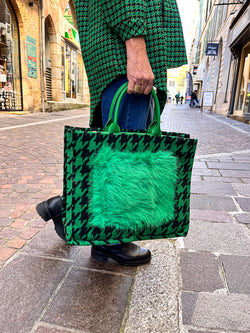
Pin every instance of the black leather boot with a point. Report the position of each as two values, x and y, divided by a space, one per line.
128 254
52 209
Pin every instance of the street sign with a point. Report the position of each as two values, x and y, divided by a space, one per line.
212 49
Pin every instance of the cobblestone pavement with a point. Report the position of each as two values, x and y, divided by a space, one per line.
199 284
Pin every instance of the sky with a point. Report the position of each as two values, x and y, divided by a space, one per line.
187 11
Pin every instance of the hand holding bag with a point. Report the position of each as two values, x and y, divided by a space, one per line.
124 185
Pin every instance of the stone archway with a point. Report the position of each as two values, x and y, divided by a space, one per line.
50 49
52 64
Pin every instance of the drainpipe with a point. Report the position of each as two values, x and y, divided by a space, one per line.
42 51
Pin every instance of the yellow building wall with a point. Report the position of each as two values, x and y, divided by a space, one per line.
29 21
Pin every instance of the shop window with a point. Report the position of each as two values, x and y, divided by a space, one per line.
63 65
70 71
243 97
10 73
79 73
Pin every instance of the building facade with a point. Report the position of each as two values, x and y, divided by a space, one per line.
220 56
41 67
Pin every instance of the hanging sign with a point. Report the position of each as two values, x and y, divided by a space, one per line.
31 55
212 49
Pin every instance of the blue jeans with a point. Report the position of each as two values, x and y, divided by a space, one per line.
135 112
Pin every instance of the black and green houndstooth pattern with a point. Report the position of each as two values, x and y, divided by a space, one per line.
103 27
81 146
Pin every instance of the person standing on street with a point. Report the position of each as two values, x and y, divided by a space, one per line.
194 100
132 41
177 98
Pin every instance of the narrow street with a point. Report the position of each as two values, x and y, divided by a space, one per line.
199 284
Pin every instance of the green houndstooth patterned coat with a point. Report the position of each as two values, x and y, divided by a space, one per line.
104 25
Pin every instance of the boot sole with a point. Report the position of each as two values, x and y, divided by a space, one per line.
103 257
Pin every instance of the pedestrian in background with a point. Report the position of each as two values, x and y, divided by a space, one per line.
134 41
177 98
194 100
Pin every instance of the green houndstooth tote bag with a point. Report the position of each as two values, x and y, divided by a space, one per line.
126 185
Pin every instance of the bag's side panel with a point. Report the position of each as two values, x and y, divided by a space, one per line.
67 185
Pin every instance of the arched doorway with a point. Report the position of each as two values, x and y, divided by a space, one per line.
49 32
10 64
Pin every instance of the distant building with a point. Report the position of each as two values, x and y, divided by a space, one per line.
177 81
220 56
41 66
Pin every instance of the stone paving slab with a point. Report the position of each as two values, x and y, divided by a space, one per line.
229 166
243 218
235 173
217 311
154 301
210 216
206 172
224 238
26 286
200 272
242 158
225 180
48 244
219 189
244 204
237 270
245 180
206 202
90 301
243 189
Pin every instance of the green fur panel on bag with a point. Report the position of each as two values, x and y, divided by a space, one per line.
132 190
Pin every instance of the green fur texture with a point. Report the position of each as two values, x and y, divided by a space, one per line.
132 190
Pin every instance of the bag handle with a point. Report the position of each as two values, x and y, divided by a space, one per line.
112 124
